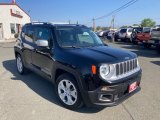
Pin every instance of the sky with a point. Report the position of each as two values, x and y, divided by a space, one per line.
84 11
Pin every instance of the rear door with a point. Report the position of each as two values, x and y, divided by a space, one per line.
28 36
42 56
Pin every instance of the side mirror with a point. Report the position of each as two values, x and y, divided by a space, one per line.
42 43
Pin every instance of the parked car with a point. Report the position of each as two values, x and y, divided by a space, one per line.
102 33
143 34
155 37
116 35
125 34
75 60
158 48
110 35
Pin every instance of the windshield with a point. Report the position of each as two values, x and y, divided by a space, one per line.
76 36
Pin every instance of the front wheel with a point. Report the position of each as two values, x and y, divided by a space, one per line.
68 92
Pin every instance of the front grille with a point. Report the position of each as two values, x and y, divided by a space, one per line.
125 67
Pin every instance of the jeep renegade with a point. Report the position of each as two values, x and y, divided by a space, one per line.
75 60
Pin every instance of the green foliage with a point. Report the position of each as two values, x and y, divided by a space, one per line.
124 26
147 22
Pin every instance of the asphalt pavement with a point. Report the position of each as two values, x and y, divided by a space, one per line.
30 97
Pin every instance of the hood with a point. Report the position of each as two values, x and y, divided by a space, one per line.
97 55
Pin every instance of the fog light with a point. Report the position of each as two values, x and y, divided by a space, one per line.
104 88
105 98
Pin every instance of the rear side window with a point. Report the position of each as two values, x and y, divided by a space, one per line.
29 34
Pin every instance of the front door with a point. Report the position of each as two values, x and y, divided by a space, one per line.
1 31
42 56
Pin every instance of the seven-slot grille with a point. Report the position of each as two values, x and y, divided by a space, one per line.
125 67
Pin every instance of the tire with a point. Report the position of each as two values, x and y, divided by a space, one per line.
146 45
20 66
116 39
158 49
135 42
69 96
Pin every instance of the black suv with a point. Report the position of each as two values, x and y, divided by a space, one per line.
82 68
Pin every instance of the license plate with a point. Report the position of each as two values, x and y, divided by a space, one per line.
132 87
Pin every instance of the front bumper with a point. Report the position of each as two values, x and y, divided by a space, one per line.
114 94
152 41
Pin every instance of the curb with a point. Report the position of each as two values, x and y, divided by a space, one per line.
7 41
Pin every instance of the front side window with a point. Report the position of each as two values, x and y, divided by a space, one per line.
43 33
12 26
76 36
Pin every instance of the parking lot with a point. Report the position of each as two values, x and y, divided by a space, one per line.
30 97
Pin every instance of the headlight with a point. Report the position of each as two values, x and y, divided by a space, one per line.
104 70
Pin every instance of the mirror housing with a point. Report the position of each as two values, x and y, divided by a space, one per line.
42 43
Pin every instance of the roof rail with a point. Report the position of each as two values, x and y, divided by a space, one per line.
38 23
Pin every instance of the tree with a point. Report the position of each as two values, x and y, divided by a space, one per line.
147 22
98 28
124 26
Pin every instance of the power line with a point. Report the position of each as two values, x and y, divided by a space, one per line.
118 9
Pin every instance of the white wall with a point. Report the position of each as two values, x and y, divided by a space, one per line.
6 19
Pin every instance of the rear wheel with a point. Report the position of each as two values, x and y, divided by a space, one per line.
68 92
20 66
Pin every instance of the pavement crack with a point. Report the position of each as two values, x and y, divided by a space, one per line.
127 111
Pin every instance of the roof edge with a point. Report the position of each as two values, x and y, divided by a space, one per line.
17 6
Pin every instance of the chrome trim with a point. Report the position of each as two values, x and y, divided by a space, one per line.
112 76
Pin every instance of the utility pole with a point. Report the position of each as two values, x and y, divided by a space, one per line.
112 27
113 21
94 25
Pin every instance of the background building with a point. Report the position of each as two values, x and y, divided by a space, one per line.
12 18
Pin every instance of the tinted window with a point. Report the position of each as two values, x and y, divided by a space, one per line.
146 30
123 30
69 36
29 35
43 33
158 29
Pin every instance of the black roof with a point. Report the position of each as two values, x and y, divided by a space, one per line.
51 24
